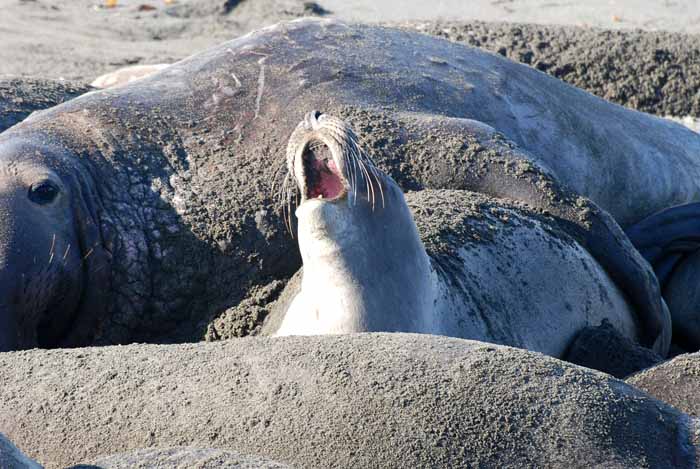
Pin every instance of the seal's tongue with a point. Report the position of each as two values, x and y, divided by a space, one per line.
321 173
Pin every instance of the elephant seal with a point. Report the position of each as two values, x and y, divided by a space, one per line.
367 270
674 382
158 192
20 96
669 240
343 401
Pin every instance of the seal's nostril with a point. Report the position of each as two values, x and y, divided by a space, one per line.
311 119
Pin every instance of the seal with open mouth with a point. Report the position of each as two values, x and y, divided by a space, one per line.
366 268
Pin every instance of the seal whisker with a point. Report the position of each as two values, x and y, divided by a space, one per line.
354 175
370 184
368 181
288 185
349 162
276 175
53 246
288 189
353 158
65 254
358 155
368 161
353 163
375 173
356 159
283 197
291 191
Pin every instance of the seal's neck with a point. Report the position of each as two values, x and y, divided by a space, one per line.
365 270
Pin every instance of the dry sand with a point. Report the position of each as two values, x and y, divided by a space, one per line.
81 40
653 72
666 15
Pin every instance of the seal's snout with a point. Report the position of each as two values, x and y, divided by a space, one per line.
327 162
312 120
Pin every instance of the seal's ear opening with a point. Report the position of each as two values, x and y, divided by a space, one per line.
95 264
322 177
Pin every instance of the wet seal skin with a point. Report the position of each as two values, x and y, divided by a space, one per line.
160 192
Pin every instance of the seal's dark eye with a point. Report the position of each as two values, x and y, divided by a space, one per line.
43 193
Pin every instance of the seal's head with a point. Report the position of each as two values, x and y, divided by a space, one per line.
340 186
365 267
46 235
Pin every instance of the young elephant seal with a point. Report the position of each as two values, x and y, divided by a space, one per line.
361 250
366 268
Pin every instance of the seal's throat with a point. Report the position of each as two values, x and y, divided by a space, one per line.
322 178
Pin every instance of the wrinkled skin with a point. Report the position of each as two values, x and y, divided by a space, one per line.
176 171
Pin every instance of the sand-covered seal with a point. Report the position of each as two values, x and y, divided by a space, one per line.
345 401
181 457
12 458
676 382
20 96
149 207
524 283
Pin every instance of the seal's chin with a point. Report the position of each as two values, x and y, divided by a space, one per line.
322 177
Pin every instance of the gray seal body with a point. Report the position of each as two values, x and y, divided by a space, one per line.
166 181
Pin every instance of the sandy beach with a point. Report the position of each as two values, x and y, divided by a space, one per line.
83 38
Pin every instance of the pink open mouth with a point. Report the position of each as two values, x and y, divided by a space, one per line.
322 177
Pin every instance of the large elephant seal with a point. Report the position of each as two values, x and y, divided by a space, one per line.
161 188
367 270
343 401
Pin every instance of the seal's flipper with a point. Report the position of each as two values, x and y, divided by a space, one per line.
670 241
605 349
667 237
682 295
